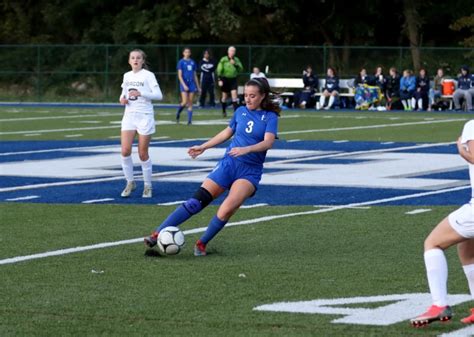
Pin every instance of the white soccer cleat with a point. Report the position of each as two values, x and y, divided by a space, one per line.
147 192
128 189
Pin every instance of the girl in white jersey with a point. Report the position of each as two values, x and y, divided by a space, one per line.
139 87
457 228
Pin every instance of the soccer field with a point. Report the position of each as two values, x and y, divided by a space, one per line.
331 244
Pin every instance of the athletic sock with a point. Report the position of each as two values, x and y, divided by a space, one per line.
176 218
322 100
235 105
127 168
469 271
224 105
146 169
190 116
178 113
213 228
405 106
420 104
437 273
331 101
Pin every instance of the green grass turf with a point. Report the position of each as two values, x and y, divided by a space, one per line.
377 251
345 253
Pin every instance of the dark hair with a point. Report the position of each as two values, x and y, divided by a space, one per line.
333 70
270 101
145 64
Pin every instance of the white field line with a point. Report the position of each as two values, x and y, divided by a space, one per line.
464 332
178 172
418 211
330 206
171 203
30 197
61 130
341 141
379 126
93 201
59 117
31 134
254 205
72 136
232 224
98 180
97 146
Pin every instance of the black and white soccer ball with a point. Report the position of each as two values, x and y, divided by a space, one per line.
170 241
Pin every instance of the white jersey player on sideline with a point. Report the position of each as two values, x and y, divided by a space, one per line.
139 88
457 228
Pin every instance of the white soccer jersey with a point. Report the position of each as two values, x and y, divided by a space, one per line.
468 135
145 82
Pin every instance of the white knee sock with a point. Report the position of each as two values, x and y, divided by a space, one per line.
322 99
331 101
437 273
404 102
146 169
420 103
127 167
469 271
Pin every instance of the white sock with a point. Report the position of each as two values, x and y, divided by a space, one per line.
469 271
146 169
437 273
413 102
420 104
127 168
404 102
322 100
331 101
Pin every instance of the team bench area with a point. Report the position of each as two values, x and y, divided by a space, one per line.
288 86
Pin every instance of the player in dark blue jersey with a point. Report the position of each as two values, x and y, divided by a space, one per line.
254 130
188 83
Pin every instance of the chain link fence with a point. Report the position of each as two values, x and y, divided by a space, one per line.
93 73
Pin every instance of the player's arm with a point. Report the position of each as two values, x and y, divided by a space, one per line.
196 80
180 78
466 150
220 138
264 145
123 96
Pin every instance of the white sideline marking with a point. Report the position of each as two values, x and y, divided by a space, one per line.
464 332
32 134
60 130
293 140
72 136
30 197
254 205
93 201
171 203
59 117
341 141
373 126
231 224
329 206
170 173
85 122
387 143
418 211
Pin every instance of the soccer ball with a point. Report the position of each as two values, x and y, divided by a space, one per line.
170 241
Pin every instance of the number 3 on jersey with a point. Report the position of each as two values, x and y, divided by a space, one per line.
249 127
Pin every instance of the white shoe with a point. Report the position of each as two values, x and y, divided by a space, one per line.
147 192
128 189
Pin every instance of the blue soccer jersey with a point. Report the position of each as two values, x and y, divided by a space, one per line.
249 128
187 67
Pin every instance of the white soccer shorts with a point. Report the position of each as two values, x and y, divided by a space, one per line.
462 221
144 124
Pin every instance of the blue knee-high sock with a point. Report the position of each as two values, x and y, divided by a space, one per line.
178 112
190 116
176 218
213 228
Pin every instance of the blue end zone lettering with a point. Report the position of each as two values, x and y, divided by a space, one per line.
312 172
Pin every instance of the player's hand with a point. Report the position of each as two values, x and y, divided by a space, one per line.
134 94
220 83
185 87
195 151
123 101
239 151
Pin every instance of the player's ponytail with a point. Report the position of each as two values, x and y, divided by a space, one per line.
271 102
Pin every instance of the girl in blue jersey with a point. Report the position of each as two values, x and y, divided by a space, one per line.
188 84
254 130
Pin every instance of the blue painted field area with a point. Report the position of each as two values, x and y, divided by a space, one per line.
297 173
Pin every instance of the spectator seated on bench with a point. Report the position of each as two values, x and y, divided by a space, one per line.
305 98
421 91
465 89
330 91
367 94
